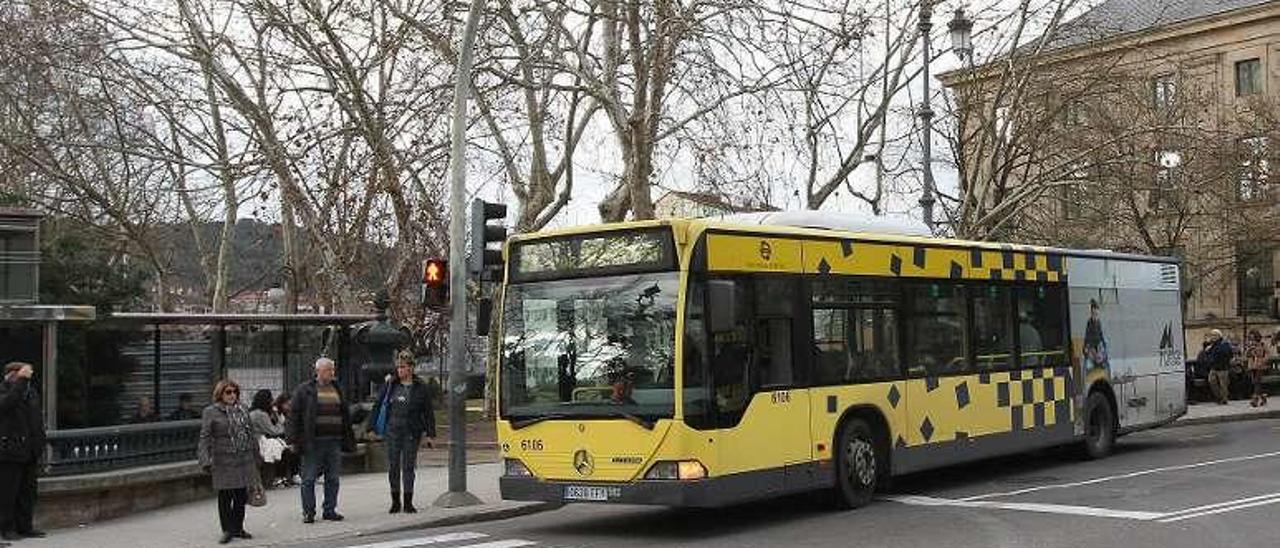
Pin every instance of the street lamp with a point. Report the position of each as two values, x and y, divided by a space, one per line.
961 35
926 118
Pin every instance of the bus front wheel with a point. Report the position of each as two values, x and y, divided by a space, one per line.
1100 426
859 464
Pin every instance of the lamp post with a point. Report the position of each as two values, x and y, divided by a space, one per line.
926 118
457 495
961 35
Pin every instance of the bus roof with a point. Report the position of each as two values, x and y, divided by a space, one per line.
826 227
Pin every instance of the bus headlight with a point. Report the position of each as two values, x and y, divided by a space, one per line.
516 468
677 470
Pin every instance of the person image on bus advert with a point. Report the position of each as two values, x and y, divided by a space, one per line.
1095 343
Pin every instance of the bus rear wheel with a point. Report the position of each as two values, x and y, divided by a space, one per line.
859 465
1100 426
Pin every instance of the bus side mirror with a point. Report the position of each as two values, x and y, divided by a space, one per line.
722 305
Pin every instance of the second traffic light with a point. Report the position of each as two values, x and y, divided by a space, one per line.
435 283
486 262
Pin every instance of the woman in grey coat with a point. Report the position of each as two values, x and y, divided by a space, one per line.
228 450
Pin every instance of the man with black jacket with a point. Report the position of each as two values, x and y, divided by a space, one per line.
320 430
21 449
1217 352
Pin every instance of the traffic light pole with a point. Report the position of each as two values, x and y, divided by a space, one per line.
457 494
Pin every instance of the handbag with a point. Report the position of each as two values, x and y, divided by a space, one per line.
270 449
380 421
257 493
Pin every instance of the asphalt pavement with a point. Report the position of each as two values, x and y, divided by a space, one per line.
1186 487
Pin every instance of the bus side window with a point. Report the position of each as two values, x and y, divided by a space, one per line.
992 327
774 311
732 355
935 329
697 398
1040 311
854 344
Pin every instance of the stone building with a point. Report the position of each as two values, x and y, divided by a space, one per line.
1146 126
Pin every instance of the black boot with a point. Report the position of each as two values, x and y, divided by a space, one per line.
395 503
408 503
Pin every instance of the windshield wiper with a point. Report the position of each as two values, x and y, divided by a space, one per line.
522 422
518 423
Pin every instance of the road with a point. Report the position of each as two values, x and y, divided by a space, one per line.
1211 485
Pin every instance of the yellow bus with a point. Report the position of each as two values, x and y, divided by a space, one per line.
710 362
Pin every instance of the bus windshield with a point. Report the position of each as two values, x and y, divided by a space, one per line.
590 347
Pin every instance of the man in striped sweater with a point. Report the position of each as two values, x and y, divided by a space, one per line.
320 430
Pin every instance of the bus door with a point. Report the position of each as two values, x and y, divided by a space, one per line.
756 370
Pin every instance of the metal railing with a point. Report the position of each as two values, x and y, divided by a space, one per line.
103 449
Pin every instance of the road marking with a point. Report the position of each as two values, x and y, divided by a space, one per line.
1122 476
425 541
514 543
1030 507
1221 508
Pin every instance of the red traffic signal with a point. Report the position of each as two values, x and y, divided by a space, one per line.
435 283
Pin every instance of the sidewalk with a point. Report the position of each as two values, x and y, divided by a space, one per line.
364 501
1237 410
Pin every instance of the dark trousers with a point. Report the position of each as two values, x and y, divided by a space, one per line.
321 457
17 496
402 460
231 509
286 467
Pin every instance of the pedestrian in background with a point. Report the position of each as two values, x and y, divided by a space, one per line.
21 449
1217 353
1256 354
320 430
146 411
268 431
402 415
289 467
185 411
227 450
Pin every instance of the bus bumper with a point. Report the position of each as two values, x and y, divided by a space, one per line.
708 493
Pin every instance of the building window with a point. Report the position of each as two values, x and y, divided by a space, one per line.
1073 113
1073 201
1255 168
1004 124
1168 170
1248 77
18 258
1165 91
1255 278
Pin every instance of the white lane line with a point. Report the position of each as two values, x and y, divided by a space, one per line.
1122 476
1221 504
426 541
514 543
1030 507
1222 509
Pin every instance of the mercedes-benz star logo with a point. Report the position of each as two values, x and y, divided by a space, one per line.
582 463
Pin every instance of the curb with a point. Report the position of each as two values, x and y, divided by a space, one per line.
1272 414
485 515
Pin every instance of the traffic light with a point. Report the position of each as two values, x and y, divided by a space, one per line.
435 283
486 262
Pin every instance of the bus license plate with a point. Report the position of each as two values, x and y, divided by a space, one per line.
586 492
